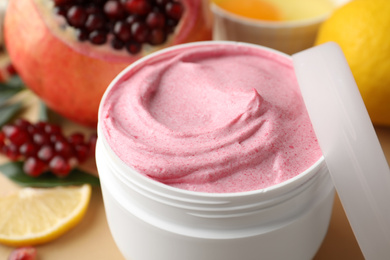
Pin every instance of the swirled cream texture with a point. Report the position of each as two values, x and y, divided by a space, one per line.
211 118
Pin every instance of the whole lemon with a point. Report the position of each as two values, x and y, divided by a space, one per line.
362 29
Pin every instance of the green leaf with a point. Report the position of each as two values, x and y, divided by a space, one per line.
14 171
13 82
6 93
7 112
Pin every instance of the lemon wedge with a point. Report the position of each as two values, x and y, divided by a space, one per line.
32 216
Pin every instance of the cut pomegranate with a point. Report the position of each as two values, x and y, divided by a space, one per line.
75 48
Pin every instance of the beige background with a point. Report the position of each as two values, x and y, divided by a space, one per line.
91 239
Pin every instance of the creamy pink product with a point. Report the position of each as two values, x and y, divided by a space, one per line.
212 118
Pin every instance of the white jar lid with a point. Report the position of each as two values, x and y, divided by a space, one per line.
348 141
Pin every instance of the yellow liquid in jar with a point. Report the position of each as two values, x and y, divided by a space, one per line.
277 10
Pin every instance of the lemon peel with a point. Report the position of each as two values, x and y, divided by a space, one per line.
32 216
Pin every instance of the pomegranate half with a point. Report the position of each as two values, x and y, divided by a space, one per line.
69 73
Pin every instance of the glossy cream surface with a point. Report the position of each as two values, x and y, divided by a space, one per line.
212 118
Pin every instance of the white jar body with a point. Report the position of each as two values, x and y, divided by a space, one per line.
149 220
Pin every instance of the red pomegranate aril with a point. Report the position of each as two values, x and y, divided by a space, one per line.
140 32
28 149
122 30
15 134
12 152
174 10
57 137
133 18
59 166
157 36
46 153
76 16
23 253
2 139
114 10
98 37
82 152
170 26
95 22
82 35
22 123
133 47
34 167
117 44
41 126
92 144
52 129
155 20
76 138
140 7
63 148
162 2
93 9
41 139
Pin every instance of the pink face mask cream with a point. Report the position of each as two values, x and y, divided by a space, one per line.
206 151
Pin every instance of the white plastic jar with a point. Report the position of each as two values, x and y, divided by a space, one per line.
153 221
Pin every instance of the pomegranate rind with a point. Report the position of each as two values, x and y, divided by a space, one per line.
71 79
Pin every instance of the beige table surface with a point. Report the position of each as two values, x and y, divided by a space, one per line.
91 239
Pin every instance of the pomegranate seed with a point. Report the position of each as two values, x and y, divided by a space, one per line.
12 152
76 138
133 47
28 149
76 16
63 148
140 7
82 35
82 152
57 137
34 167
140 31
23 253
52 129
93 9
98 37
157 36
95 22
92 144
59 166
133 18
41 139
15 134
122 31
117 44
40 126
22 123
162 2
113 9
155 20
2 139
46 153
174 10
